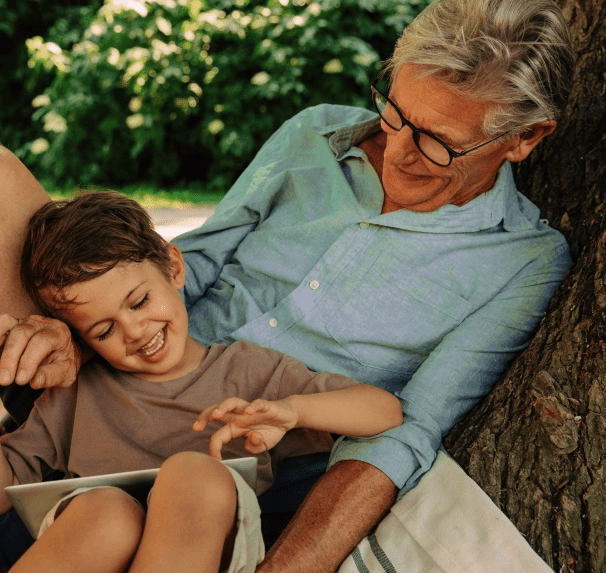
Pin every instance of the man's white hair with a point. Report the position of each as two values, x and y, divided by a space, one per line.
514 53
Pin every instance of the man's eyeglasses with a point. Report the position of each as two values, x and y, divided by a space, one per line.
428 144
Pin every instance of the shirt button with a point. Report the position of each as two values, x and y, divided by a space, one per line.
313 285
364 225
273 322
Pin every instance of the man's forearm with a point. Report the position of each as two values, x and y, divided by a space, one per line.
340 510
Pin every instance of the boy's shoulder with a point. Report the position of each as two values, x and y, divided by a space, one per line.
245 352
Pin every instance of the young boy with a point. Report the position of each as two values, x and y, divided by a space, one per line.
153 396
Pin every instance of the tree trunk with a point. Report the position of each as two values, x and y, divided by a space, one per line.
537 443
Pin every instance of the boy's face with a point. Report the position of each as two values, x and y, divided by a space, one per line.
134 317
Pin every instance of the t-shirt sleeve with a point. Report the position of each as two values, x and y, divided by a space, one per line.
296 378
42 443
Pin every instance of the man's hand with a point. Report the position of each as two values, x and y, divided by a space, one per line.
263 422
38 351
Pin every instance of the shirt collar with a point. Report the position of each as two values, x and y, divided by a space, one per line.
502 204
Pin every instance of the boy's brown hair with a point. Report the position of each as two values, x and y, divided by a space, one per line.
68 242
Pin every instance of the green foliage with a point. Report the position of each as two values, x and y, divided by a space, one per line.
20 20
187 90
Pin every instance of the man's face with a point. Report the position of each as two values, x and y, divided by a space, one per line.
413 182
133 317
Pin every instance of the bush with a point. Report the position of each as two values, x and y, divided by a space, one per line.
187 90
21 20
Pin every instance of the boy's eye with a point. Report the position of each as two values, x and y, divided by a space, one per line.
140 303
105 334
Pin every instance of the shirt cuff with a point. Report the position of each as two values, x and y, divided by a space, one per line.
397 461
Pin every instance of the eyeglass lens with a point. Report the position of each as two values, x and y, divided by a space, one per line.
427 145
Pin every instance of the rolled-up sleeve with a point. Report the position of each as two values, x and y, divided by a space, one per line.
462 369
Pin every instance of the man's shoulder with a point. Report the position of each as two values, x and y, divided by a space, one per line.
324 118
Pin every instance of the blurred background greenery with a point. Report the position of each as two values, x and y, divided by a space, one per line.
177 95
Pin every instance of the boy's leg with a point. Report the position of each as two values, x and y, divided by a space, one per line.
98 532
191 517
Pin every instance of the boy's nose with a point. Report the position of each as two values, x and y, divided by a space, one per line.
134 329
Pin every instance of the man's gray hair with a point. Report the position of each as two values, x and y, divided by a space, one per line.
514 53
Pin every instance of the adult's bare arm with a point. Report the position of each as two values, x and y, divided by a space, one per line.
20 196
343 507
38 351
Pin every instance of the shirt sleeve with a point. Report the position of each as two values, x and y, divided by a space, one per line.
250 201
462 369
42 443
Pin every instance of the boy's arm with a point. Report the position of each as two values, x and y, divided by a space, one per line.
7 477
359 410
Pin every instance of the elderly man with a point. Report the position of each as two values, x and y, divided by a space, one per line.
393 248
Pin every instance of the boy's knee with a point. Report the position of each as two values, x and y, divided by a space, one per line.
193 476
115 515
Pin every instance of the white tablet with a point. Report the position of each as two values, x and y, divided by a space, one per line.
34 500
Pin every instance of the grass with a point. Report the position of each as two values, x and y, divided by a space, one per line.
147 195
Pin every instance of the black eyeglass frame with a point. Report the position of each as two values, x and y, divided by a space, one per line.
416 131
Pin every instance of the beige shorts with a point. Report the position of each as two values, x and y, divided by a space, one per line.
249 549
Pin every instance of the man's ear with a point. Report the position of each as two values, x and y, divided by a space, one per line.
529 139
177 262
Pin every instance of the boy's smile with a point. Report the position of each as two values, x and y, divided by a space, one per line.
133 316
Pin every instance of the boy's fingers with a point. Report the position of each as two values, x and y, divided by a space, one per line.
254 443
233 404
257 406
221 437
204 417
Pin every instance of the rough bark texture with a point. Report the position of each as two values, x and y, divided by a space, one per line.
537 444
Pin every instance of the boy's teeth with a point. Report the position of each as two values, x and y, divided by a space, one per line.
154 344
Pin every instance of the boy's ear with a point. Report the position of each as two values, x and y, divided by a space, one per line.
177 265
528 140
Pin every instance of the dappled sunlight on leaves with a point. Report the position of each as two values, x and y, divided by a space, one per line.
176 90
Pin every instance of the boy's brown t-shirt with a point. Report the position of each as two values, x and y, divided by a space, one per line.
110 421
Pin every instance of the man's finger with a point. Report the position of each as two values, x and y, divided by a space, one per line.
49 375
7 323
16 342
33 357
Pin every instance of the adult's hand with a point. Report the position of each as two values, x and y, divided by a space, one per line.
38 351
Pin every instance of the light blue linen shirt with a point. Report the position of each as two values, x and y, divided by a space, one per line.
431 306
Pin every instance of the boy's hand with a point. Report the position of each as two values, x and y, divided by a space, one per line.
38 351
263 422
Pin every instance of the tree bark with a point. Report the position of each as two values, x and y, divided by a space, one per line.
537 443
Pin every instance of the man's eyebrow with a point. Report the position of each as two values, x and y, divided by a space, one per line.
435 132
125 298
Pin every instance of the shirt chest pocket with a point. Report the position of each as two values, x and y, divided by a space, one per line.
394 317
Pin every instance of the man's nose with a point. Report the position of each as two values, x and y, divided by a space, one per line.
401 147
